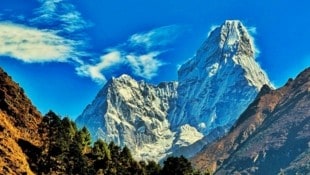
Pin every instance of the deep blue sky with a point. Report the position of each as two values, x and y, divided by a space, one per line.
62 52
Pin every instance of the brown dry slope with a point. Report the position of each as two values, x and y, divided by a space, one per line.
271 136
19 121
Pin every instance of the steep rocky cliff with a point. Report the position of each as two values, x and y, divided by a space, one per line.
217 85
132 113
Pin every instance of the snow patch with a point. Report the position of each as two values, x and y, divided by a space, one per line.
202 125
213 69
188 135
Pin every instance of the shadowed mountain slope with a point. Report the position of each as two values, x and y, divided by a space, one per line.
271 136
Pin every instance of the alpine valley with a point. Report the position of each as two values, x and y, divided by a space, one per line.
222 113
173 118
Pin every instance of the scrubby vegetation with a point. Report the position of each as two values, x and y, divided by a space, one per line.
68 150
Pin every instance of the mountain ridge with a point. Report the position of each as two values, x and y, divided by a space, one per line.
135 115
18 127
273 130
222 73
225 60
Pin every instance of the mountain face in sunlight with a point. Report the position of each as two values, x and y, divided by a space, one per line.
18 127
217 85
213 89
133 113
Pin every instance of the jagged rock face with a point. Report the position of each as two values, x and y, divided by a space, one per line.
217 85
19 122
154 121
271 136
132 113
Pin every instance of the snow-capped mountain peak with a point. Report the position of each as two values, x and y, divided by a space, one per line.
213 89
232 32
134 114
218 83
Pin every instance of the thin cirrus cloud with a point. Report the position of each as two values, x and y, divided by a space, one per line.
56 35
94 71
155 38
140 53
145 65
46 40
33 45
59 15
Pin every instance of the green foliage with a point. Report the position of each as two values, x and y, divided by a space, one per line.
68 150
101 150
69 128
126 156
177 166
83 139
63 146
77 163
101 156
115 151
153 168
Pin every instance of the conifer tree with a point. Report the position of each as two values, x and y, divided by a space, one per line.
177 166
102 156
153 168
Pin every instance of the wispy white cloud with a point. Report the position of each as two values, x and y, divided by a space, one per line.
157 37
108 60
49 5
252 30
140 53
58 37
33 45
144 65
56 34
59 15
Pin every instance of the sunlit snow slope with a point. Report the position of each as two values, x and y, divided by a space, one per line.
213 90
218 84
132 113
